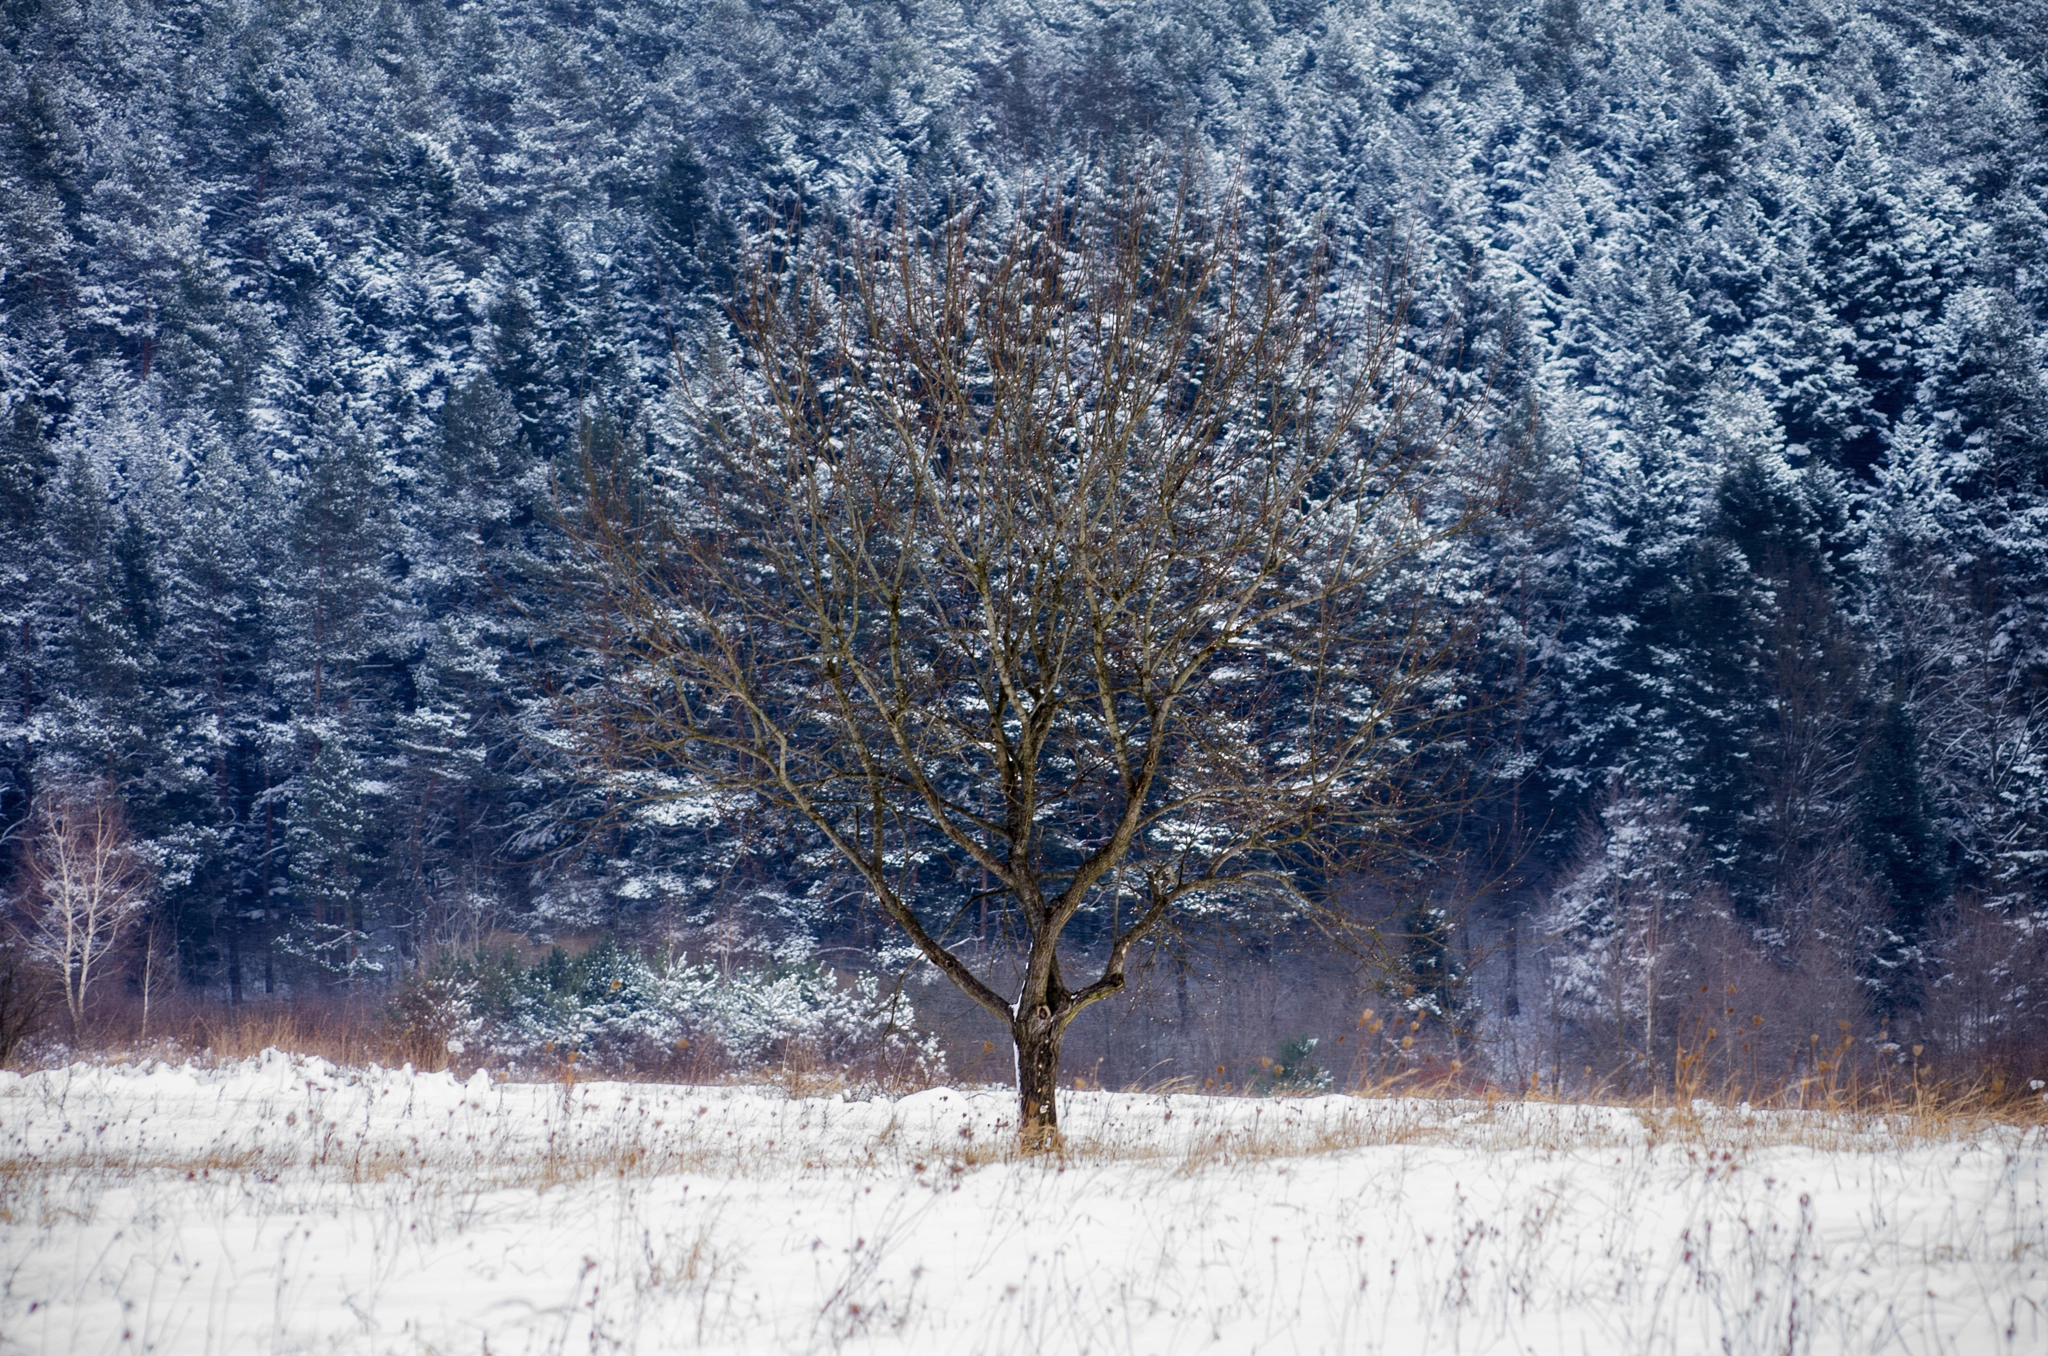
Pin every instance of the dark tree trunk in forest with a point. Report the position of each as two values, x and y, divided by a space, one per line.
1512 1004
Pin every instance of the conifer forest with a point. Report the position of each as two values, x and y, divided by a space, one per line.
317 315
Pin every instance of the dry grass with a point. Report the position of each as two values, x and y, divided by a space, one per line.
361 1031
351 1032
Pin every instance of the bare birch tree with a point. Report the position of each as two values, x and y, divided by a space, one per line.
1097 552
84 880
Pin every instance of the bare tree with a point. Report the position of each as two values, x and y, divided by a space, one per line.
84 879
1088 549
24 995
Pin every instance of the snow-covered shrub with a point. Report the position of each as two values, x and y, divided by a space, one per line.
1625 930
1656 978
1296 1071
1428 979
615 1007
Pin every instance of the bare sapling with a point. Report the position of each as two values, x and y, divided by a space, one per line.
84 881
1088 560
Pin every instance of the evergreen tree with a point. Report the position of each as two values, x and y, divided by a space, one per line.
336 588
1430 979
1888 268
27 466
332 925
1905 853
217 655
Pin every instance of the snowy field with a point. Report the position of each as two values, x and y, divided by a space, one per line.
284 1205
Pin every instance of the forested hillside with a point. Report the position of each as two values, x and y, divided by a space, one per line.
309 308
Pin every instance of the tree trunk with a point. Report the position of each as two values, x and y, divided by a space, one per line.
1037 1034
1512 1007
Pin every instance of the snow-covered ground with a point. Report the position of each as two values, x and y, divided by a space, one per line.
286 1205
